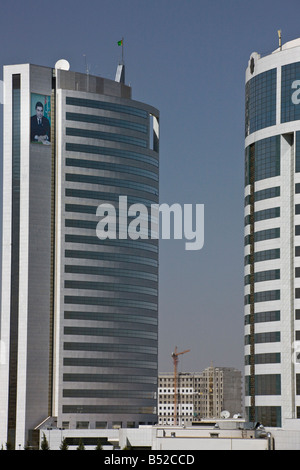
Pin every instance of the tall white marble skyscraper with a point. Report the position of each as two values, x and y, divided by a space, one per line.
272 242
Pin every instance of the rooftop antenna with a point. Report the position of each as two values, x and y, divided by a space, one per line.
87 71
121 43
279 37
120 74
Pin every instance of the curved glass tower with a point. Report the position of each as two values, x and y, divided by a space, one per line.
79 324
272 229
107 290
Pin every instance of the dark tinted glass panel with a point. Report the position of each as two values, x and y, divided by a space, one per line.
260 106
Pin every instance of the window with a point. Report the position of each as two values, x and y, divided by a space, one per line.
101 425
268 415
99 150
115 182
103 120
289 110
260 106
267 214
96 165
265 255
115 378
82 424
266 159
266 358
266 296
263 235
263 194
269 384
119 108
103 271
88 133
267 337
108 347
263 317
106 286
264 215
114 332
264 276
119 257
298 384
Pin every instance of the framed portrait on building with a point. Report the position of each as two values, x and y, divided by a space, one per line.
40 121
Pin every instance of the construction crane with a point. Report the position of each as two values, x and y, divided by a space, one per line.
175 355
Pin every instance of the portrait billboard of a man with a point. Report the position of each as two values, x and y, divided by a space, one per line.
40 131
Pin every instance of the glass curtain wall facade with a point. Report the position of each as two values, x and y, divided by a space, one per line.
79 320
272 177
108 289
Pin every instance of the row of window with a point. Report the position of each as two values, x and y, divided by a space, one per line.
265 358
267 337
262 159
115 167
91 393
109 302
94 441
264 255
262 235
110 317
109 409
264 215
107 121
264 296
260 97
114 332
268 193
260 106
115 257
113 198
114 272
115 182
110 287
263 194
289 110
115 107
111 378
112 152
263 317
112 137
267 384
269 234
109 347
264 276
269 316
109 363
94 240
118 227
268 415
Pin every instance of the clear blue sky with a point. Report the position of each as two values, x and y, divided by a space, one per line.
187 58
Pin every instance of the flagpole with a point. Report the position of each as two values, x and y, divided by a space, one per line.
123 51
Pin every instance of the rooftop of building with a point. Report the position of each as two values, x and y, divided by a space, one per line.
288 45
